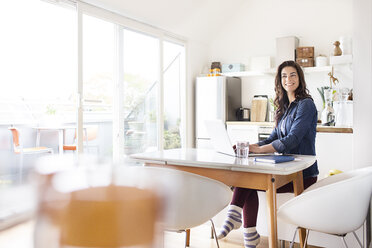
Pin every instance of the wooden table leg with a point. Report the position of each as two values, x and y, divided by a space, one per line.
298 187
271 209
187 237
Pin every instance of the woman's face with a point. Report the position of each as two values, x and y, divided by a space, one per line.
290 81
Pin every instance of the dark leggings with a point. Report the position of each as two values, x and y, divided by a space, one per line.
248 200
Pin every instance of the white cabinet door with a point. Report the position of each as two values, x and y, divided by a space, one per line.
242 133
334 151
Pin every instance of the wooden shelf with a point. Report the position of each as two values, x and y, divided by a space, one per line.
243 74
341 60
317 69
272 71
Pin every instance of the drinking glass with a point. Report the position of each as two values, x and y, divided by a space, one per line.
242 149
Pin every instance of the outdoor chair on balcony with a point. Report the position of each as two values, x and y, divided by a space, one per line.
21 151
89 134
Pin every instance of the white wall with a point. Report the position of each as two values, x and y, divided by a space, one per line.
256 25
362 27
363 83
197 55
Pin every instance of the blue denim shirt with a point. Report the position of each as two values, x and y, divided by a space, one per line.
296 131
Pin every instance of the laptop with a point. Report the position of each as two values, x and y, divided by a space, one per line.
219 137
221 141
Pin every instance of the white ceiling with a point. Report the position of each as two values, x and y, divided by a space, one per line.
194 19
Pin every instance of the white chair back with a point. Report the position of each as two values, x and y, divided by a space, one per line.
334 205
189 200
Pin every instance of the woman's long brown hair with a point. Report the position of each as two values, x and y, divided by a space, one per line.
281 99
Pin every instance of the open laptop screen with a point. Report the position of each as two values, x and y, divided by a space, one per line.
219 137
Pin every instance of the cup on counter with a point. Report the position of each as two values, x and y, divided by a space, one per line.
242 149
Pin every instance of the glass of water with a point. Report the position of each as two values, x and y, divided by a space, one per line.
242 149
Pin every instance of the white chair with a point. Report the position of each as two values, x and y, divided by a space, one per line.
336 205
21 151
189 199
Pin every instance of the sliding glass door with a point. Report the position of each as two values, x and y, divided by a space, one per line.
38 79
42 62
98 85
140 96
173 78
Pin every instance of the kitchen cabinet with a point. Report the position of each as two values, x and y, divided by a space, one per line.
243 133
334 151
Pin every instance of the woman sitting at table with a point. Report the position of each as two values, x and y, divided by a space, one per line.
295 129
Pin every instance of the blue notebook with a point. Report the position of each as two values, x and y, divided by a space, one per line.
274 159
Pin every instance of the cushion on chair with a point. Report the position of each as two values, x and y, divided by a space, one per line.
30 150
69 147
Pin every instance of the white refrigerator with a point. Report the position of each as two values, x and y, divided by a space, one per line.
215 98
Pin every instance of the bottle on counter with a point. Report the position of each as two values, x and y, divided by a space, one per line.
328 113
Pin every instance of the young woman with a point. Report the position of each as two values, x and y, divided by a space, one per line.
295 130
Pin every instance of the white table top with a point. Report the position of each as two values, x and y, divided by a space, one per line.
211 159
56 127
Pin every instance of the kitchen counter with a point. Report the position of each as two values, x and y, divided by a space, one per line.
319 128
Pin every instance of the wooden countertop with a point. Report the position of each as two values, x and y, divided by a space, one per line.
324 129
319 128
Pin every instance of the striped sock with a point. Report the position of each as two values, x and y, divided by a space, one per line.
233 221
251 237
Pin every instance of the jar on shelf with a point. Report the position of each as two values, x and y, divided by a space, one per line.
216 72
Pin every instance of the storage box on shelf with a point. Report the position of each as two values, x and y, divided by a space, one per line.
305 62
305 56
285 48
232 67
305 52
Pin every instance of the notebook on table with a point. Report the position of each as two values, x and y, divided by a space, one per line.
274 159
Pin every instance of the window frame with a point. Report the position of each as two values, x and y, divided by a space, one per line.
123 22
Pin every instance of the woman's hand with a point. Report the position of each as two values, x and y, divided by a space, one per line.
255 148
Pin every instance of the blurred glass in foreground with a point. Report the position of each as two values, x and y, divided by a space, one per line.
80 206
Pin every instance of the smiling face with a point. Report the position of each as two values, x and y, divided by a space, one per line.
290 80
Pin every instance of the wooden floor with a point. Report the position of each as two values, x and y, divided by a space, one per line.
200 238
21 236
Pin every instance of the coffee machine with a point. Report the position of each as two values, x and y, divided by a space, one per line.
243 114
